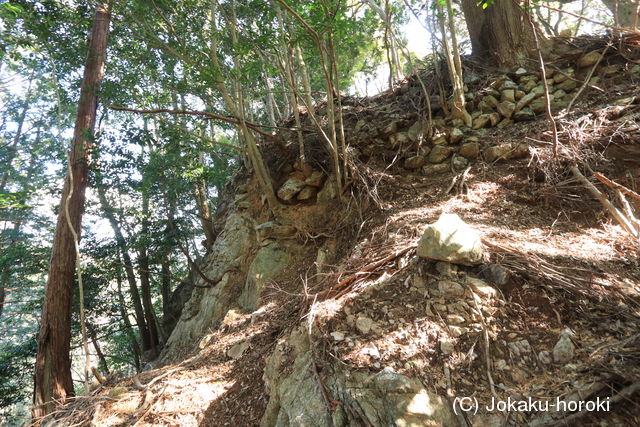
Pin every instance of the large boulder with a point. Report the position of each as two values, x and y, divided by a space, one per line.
451 239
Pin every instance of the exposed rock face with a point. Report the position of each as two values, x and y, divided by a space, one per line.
379 399
269 261
208 305
450 239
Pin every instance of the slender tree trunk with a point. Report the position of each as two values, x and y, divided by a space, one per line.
145 282
53 383
128 268
202 202
5 273
16 138
452 54
122 306
236 107
165 268
96 346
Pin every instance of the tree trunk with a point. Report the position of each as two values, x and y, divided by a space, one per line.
145 282
204 211
166 285
625 12
53 383
96 346
5 274
500 32
14 144
135 347
128 269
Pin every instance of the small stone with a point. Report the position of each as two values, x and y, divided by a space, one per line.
521 72
274 230
481 288
471 77
315 179
439 138
508 85
545 357
450 289
559 94
484 107
457 122
459 162
290 188
564 349
636 69
481 121
307 193
390 129
491 100
589 59
455 136
506 108
539 105
538 90
494 119
470 150
457 331
523 115
568 85
439 154
365 324
435 169
520 94
414 162
562 76
371 351
238 350
497 274
398 139
416 131
497 152
504 123
337 336
455 319
528 86
447 347
526 100
507 95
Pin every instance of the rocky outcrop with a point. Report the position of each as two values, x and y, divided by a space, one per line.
208 305
383 398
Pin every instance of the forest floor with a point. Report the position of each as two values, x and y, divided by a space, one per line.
569 266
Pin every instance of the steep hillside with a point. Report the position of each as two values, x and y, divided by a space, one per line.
330 311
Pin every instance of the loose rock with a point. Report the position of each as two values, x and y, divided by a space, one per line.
451 239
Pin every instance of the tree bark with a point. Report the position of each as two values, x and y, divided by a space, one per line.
53 383
500 32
